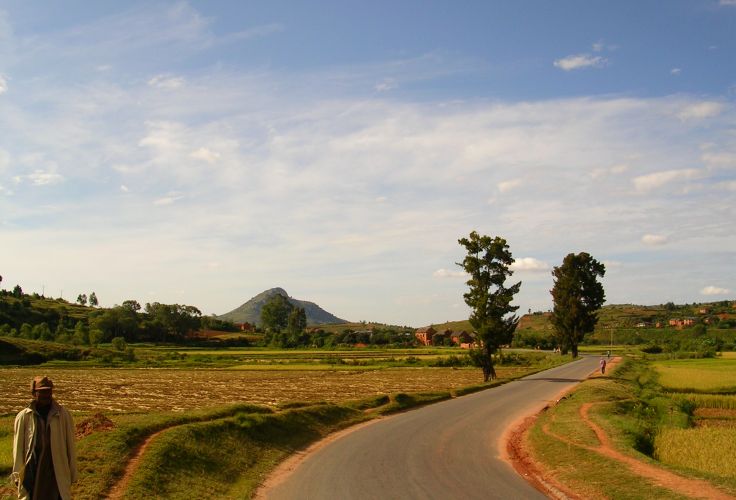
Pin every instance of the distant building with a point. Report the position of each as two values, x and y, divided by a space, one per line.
245 327
424 335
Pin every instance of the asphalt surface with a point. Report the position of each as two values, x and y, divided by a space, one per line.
448 450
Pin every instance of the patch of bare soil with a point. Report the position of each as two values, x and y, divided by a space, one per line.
95 423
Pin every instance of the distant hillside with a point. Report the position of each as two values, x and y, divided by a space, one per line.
624 316
250 312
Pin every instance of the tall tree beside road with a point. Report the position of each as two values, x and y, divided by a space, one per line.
577 295
487 262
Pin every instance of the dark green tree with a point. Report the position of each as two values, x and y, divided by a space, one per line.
577 295
132 305
297 321
487 262
275 313
93 299
82 299
172 319
17 291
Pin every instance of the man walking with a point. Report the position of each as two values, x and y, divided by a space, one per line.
44 455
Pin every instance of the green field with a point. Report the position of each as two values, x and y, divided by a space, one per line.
698 375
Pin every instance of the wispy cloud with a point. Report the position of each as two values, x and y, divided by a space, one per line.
654 239
675 71
699 110
580 61
727 3
506 186
714 290
167 82
444 273
650 182
530 264
3 85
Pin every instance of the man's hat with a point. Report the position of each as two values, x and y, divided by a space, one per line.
41 384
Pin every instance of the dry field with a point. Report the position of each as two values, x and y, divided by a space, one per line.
133 390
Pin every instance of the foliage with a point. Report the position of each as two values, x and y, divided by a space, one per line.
275 313
577 295
487 262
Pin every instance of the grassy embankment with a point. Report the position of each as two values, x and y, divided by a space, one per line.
646 420
222 452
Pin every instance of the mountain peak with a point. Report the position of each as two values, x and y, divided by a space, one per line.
250 312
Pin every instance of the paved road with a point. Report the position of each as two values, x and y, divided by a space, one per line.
448 450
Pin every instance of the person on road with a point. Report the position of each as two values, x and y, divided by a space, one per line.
603 365
44 453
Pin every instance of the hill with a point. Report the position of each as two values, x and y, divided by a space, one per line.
250 312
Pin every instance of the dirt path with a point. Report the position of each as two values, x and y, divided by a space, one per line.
118 491
521 458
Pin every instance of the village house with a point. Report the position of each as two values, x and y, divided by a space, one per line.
245 327
681 322
460 338
424 335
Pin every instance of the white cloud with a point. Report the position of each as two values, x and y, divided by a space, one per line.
649 182
167 200
205 155
714 290
654 239
124 188
530 264
3 85
506 186
444 273
386 85
579 61
675 71
727 3
699 110
727 186
166 82
598 46
43 178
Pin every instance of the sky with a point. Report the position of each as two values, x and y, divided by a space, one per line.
202 152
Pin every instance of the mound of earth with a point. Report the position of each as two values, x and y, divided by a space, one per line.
95 423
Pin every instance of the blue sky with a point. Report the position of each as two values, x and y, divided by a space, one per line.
201 152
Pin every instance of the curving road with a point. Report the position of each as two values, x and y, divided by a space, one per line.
448 450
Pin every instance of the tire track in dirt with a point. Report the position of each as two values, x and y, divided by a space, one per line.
117 492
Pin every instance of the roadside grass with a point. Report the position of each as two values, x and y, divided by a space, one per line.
641 421
202 460
587 473
712 375
101 456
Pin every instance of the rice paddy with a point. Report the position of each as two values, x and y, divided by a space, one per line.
698 375
705 449
128 390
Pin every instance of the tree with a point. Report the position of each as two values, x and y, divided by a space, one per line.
132 305
93 299
17 291
577 295
82 299
275 313
487 262
297 321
